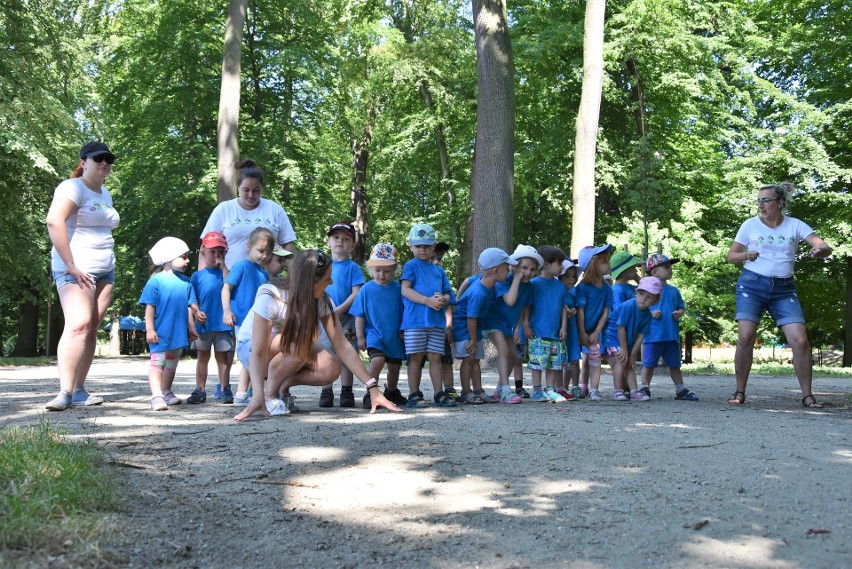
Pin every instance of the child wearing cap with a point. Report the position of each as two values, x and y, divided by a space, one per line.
213 333
570 369
426 291
469 318
594 297
346 281
623 267
633 322
546 326
664 338
168 298
378 315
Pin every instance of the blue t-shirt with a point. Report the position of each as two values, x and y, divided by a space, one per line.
548 301
593 300
381 308
572 338
170 294
426 279
474 303
621 293
665 328
207 286
634 322
344 276
246 277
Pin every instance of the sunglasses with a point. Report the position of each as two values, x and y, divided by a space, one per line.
101 157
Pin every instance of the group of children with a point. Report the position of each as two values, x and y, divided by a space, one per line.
528 304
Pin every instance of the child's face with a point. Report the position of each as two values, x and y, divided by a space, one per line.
383 275
180 264
550 270
422 252
662 272
215 256
645 299
275 265
569 279
526 267
341 245
260 252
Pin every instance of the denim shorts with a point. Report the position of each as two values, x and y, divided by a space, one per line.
61 278
757 293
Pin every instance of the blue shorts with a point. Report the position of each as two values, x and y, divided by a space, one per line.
61 278
546 353
669 351
757 293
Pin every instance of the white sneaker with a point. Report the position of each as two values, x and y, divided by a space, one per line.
594 395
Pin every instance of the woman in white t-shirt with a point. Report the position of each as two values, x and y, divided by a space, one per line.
767 245
280 339
238 217
80 223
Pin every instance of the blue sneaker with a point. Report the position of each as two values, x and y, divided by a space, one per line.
218 394
686 395
227 396
539 396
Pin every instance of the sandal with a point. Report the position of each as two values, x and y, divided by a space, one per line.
416 400
812 404
472 398
444 399
738 398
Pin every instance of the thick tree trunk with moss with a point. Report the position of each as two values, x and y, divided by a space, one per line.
229 100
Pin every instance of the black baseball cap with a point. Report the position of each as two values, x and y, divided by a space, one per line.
91 149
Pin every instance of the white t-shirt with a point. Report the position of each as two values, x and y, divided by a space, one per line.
273 307
89 228
776 245
238 223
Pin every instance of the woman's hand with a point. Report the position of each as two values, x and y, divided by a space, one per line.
378 399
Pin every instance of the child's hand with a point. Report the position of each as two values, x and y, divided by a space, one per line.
228 318
200 316
678 314
151 337
656 313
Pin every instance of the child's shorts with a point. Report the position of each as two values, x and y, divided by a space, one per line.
669 351
419 340
594 355
460 350
546 353
167 360
219 341
377 353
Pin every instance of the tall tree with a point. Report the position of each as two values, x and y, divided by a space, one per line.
229 100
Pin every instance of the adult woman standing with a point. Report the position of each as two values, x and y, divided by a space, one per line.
80 223
238 217
767 245
280 337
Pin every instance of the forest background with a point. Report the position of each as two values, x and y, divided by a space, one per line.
372 104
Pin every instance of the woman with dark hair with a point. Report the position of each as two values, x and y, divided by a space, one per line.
80 223
767 244
279 338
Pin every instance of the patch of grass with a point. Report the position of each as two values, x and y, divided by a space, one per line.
727 368
55 494
35 361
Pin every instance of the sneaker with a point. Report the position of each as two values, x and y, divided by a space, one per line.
59 403
347 398
523 393
227 396
326 397
170 397
577 392
81 398
646 389
539 396
198 395
158 403
277 407
594 395
619 395
511 397
394 396
553 396
686 395
639 395
218 394
289 402
566 394
244 400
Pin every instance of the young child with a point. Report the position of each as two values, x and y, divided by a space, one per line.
239 291
471 311
426 291
209 320
623 270
546 325
594 297
346 281
633 324
378 315
570 369
167 298
664 338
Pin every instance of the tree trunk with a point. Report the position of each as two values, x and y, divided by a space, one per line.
583 222
494 169
229 100
847 327
358 194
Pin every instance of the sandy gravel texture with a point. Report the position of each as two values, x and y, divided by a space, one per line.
661 484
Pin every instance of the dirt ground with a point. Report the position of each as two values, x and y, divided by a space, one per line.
661 484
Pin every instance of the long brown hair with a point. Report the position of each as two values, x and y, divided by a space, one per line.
301 324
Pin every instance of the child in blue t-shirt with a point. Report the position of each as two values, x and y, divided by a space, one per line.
570 369
664 339
546 326
633 323
346 280
167 298
239 291
378 315
594 297
426 291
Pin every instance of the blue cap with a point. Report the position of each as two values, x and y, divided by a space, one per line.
494 257
421 234
586 254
